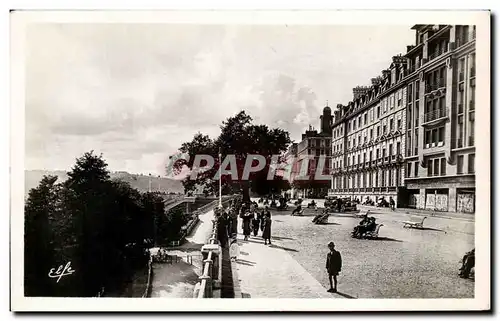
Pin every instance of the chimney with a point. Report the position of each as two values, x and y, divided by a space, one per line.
359 91
399 59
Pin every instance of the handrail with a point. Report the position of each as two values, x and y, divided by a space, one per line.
205 286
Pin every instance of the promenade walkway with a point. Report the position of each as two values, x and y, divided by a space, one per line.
270 272
178 280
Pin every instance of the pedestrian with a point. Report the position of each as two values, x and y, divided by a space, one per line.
247 218
392 204
255 223
222 235
266 233
333 266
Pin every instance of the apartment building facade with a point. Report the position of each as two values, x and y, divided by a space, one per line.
440 157
368 138
410 135
314 148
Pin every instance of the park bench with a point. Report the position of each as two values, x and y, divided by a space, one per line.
415 222
373 234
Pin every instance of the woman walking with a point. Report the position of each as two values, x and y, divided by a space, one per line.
255 223
247 218
266 234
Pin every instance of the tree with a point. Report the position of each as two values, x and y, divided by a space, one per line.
40 208
238 137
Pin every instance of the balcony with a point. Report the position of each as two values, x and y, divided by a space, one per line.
436 54
439 83
435 115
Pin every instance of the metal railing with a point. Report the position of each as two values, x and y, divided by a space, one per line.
439 83
436 114
436 54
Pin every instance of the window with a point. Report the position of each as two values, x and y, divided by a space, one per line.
371 133
378 111
390 149
443 167
408 170
383 153
365 119
429 167
378 131
460 164
399 124
354 124
417 90
436 167
398 148
384 130
377 153
471 128
416 113
391 125
370 156
471 166
416 169
410 92
354 142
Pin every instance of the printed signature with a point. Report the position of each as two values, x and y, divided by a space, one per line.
67 270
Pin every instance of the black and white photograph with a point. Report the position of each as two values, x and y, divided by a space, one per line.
292 161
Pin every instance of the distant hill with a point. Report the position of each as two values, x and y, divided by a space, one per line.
141 182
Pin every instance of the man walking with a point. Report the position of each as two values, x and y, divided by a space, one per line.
333 266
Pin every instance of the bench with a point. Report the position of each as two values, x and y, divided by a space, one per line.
373 234
414 222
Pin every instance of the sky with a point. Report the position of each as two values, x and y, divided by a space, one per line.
136 92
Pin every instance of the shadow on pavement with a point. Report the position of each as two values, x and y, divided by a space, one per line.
432 229
245 262
283 248
329 223
383 238
346 295
246 295
282 238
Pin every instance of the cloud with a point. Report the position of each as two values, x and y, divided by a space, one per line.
137 91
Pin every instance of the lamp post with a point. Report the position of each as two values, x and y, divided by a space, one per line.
220 178
149 185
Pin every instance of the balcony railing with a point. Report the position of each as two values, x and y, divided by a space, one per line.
436 114
439 83
436 54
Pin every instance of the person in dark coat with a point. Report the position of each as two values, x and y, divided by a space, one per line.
266 233
247 218
468 262
255 223
333 266
222 230
263 215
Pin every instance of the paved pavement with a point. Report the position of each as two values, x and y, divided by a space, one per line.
178 280
402 263
271 272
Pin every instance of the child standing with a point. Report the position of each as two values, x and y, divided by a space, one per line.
333 266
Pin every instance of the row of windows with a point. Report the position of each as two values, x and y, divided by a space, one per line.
382 178
386 103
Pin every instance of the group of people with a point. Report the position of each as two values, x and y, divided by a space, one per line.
252 221
367 224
